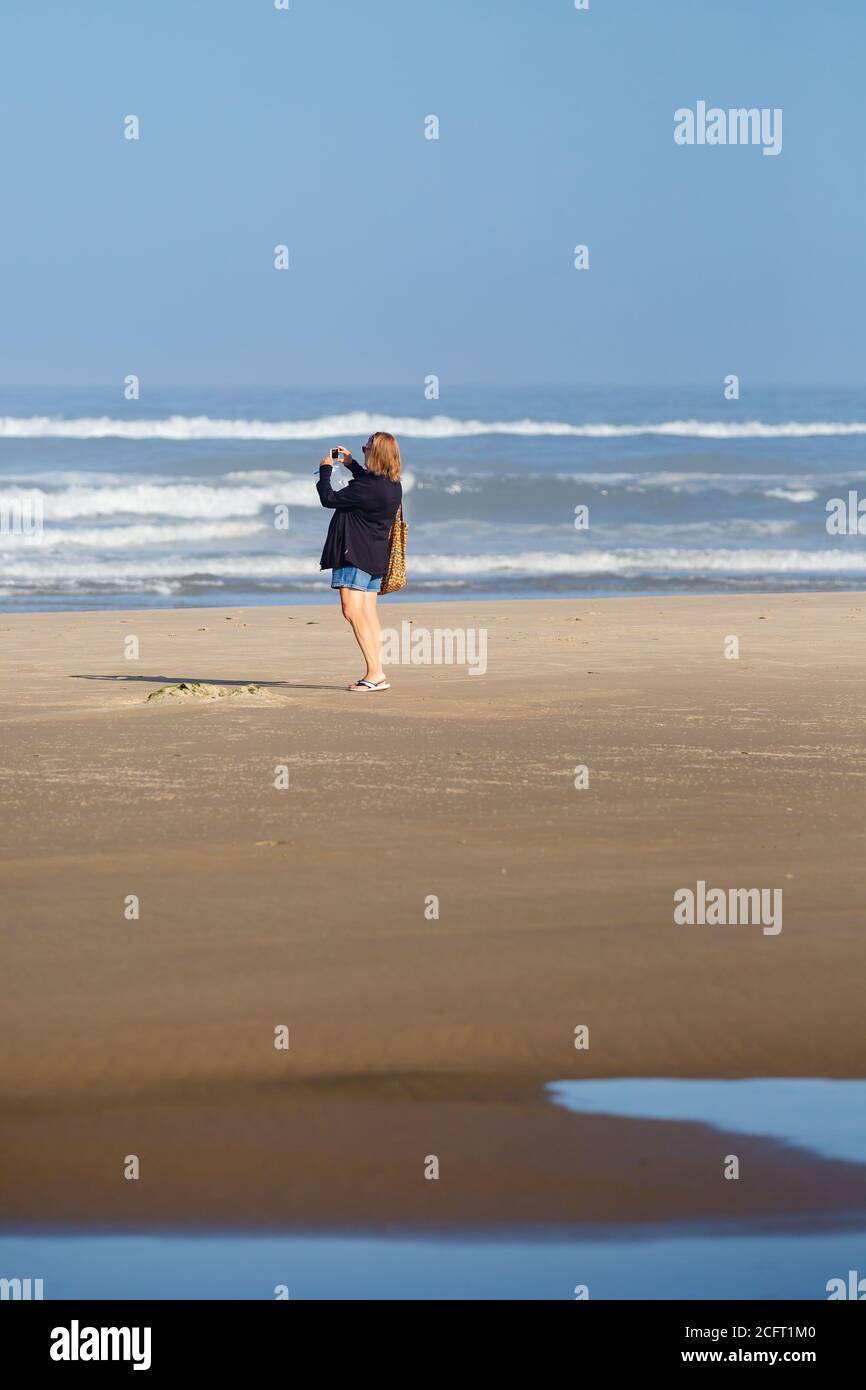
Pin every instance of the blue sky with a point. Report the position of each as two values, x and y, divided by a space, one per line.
411 256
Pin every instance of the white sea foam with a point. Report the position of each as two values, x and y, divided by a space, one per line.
193 501
187 427
655 533
264 475
134 537
632 563
181 500
87 477
639 561
792 494
796 489
238 494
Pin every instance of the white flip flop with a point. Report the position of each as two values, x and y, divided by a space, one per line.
363 685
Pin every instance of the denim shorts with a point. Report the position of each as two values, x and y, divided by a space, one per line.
350 577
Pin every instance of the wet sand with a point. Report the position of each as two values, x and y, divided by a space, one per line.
305 907
351 1157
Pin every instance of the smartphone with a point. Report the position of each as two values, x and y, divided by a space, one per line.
335 455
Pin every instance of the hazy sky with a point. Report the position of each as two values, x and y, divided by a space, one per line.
411 256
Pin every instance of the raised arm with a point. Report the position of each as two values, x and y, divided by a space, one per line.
347 499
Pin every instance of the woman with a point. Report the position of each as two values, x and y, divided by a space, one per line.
356 547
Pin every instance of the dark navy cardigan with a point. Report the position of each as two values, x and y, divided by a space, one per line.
361 524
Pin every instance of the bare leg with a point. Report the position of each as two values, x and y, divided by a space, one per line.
371 612
368 637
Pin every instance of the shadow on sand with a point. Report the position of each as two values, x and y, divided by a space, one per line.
206 680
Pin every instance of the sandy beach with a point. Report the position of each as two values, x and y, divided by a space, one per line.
308 906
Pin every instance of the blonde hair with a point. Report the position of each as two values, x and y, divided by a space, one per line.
384 456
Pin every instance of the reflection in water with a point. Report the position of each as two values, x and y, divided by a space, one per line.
826 1117
617 1185
622 1266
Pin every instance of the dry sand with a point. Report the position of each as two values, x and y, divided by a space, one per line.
306 907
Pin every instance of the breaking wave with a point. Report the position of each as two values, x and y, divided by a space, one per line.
181 427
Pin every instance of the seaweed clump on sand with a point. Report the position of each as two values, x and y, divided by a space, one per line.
200 690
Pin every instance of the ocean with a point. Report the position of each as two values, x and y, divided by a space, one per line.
207 497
